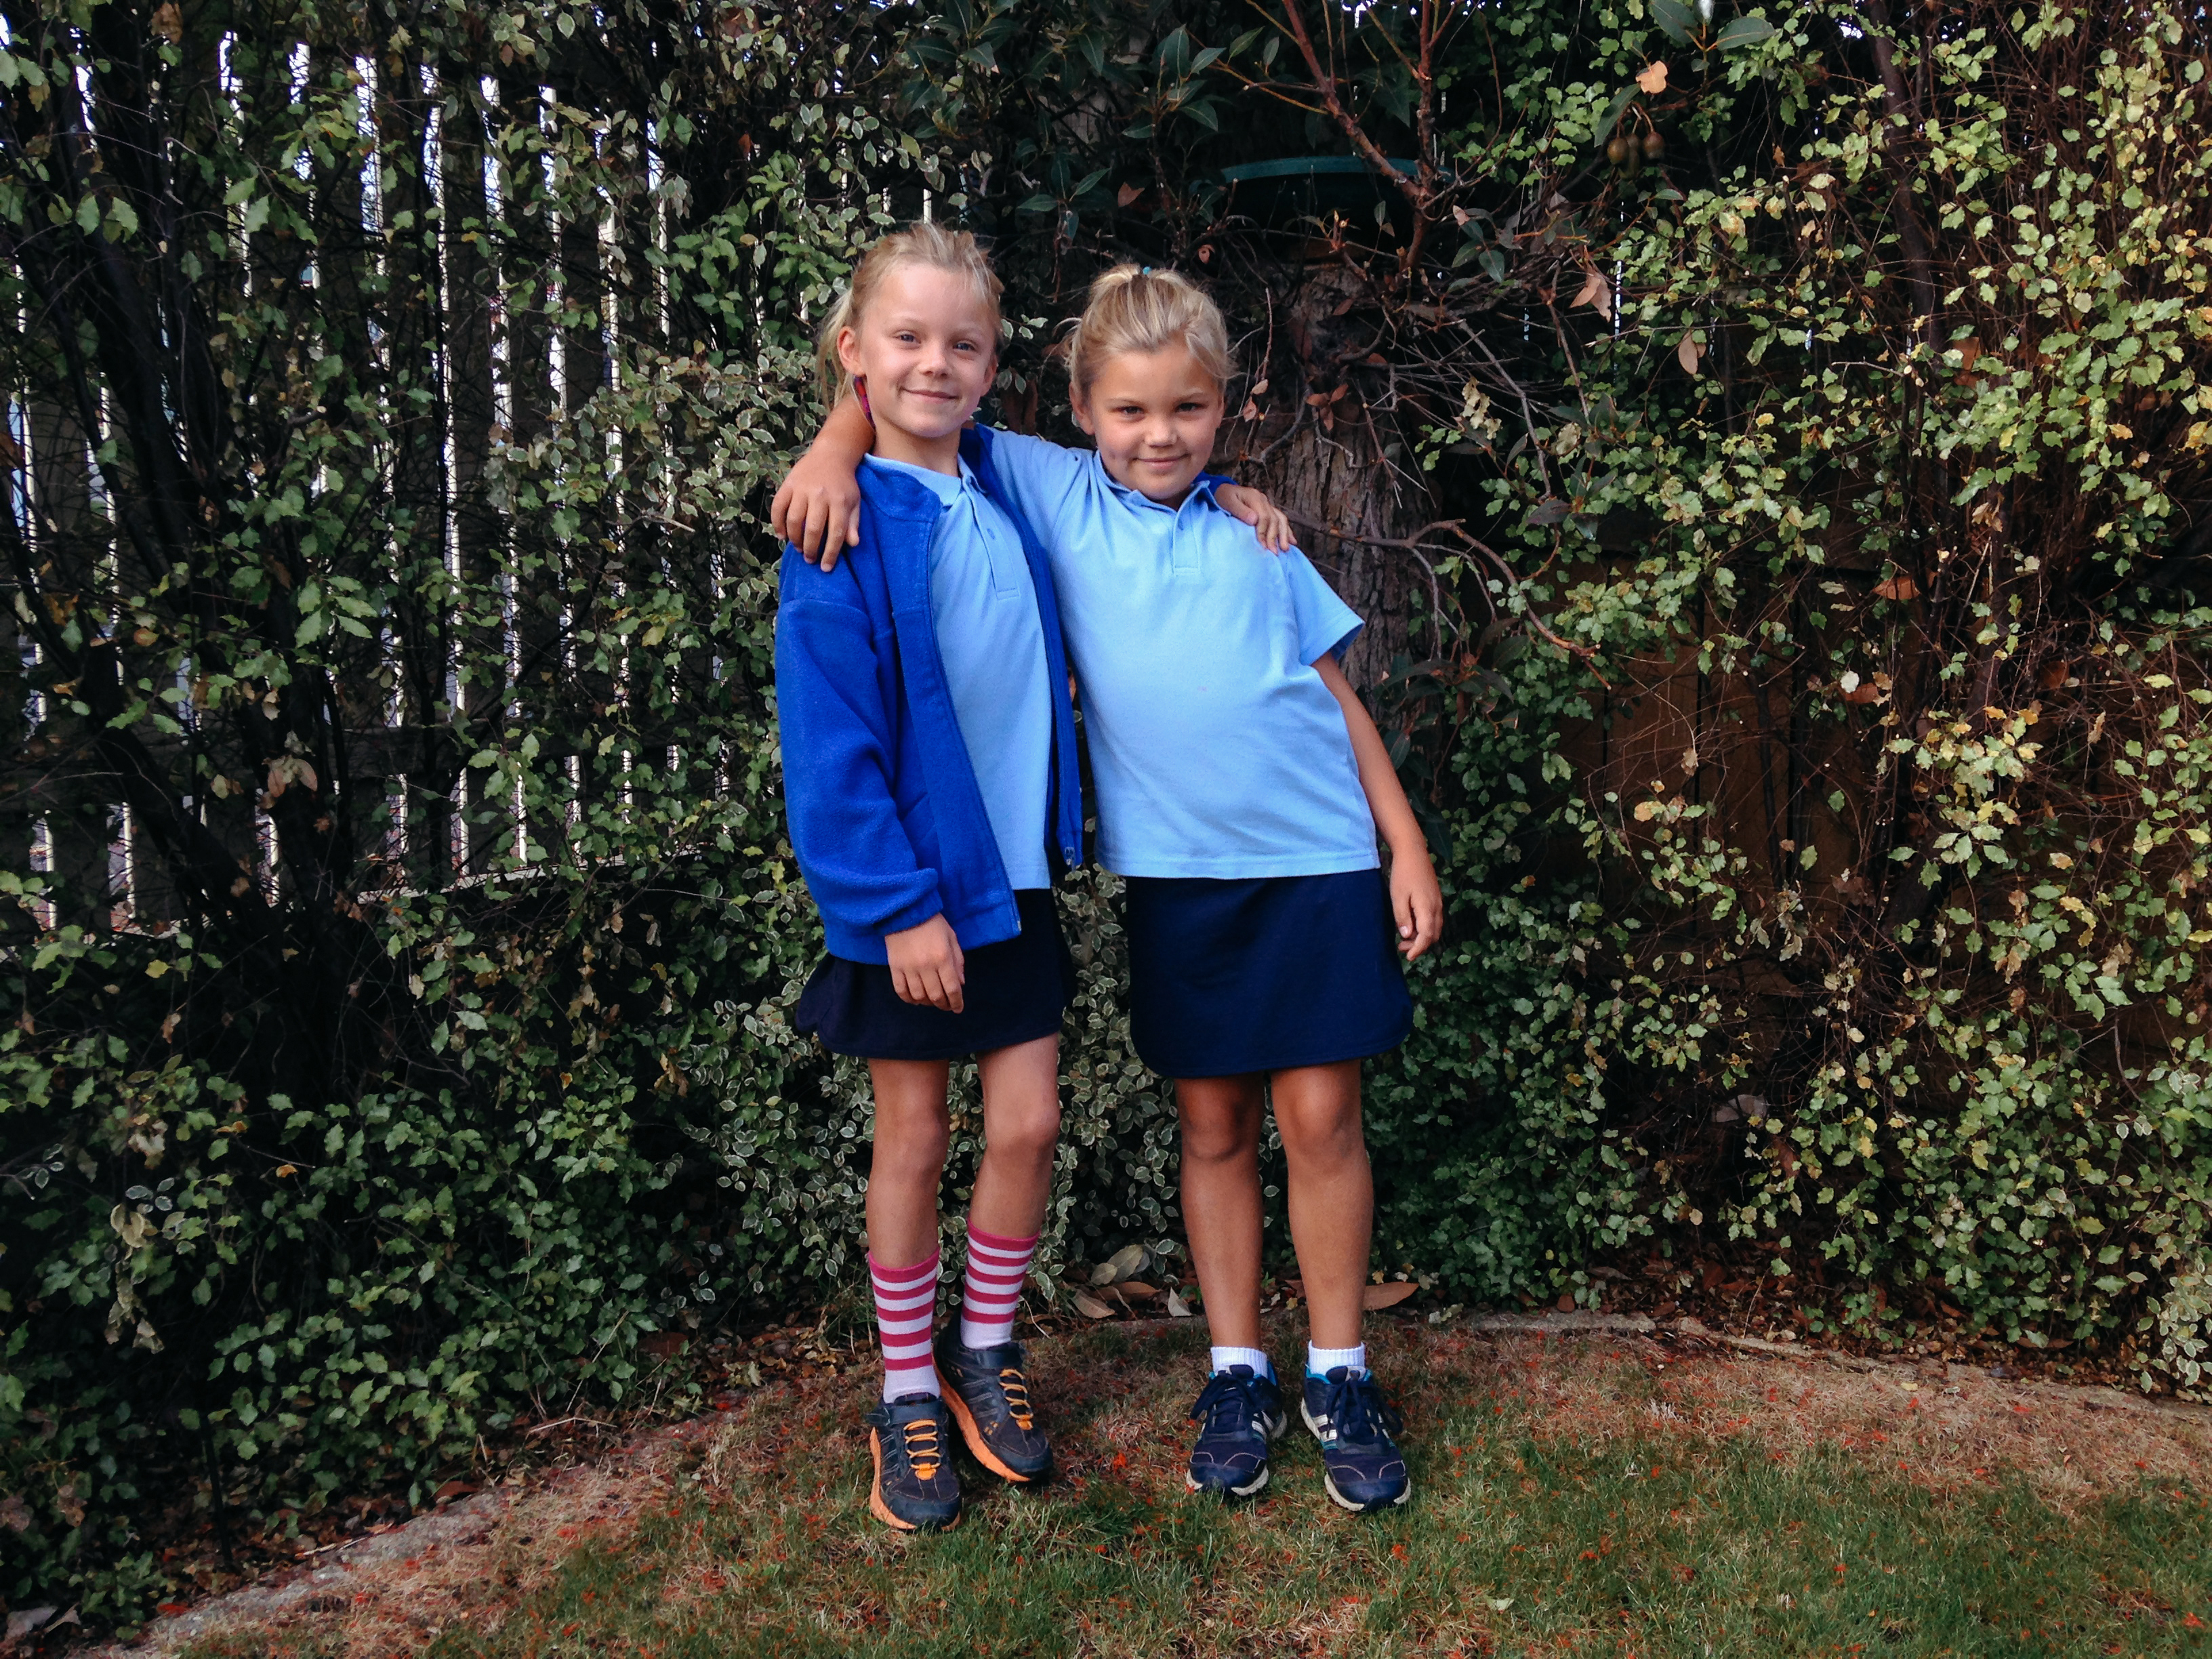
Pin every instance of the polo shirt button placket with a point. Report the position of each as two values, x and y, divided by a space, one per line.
1182 548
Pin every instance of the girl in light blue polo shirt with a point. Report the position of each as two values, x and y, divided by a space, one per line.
1240 788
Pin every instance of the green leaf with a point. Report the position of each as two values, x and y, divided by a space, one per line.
1175 54
87 215
1675 20
1744 32
1620 101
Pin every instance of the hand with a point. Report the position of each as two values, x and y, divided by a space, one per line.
927 968
1415 900
1267 520
818 510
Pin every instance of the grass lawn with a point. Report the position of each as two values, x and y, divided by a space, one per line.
1605 1497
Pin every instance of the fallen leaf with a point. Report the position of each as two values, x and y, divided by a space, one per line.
1090 1307
1597 291
169 22
1897 587
1372 1297
1177 1308
1127 194
24 1620
1654 79
1687 352
1125 1263
1137 1288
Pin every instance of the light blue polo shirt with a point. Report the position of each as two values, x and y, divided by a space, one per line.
1217 750
984 608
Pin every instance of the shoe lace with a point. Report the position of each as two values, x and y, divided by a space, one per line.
924 1450
1357 1411
1015 1388
1225 1403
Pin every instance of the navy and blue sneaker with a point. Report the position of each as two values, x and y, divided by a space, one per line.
1237 1414
916 1490
1360 1463
988 1393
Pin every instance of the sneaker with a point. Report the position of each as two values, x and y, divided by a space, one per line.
989 1395
916 1490
1237 1414
1360 1463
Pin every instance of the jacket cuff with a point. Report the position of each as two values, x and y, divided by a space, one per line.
913 915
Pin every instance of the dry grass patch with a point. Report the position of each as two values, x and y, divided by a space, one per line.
1591 1496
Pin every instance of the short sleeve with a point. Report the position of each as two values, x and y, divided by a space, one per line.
1043 478
1327 624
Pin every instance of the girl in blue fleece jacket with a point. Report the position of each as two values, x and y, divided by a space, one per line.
930 776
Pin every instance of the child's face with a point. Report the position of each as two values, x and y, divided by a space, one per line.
1154 414
926 344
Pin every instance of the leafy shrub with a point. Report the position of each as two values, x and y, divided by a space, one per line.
1805 701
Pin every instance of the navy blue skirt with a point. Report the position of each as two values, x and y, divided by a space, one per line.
1231 977
1016 991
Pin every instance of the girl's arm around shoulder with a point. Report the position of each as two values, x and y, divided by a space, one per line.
1269 522
1416 899
818 506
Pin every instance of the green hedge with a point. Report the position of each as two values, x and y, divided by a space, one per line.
1878 967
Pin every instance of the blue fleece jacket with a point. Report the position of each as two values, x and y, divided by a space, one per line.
885 815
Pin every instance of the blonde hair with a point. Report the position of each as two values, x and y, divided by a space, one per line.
921 243
1137 308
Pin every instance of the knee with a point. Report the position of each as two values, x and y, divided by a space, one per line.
1323 1137
1027 1137
913 1153
1218 1143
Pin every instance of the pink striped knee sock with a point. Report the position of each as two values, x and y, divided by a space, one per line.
906 1308
993 1286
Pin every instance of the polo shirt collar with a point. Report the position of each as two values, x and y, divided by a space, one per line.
945 486
1202 490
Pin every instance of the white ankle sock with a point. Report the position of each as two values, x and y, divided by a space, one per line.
1319 1362
1260 1364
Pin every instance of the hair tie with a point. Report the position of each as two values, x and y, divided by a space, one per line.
860 392
1146 270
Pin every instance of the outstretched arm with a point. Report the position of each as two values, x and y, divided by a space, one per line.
1415 899
817 507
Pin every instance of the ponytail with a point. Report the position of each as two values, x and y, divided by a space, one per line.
1138 309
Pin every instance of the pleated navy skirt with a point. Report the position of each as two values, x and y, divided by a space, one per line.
1016 991
1230 977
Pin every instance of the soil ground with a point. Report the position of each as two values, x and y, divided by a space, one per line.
1577 1492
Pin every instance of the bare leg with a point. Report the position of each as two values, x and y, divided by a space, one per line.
1221 1200
1332 1191
1021 1127
912 1131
